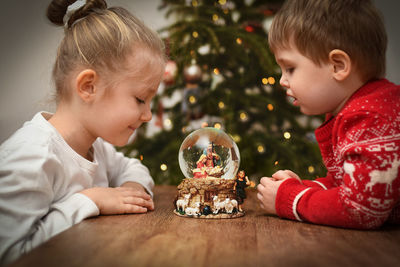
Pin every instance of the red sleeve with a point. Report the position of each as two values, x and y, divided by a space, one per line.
370 189
324 182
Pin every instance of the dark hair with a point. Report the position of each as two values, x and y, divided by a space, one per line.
97 37
316 27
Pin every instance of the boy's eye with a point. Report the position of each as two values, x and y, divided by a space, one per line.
140 101
289 70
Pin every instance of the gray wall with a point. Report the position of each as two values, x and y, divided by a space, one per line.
28 47
27 52
390 10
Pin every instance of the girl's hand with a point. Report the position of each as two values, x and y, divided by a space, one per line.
140 188
135 186
120 200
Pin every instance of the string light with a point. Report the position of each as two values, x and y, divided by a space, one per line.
141 157
236 138
168 124
163 167
260 149
195 34
215 17
276 163
243 116
264 80
216 71
195 3
311 169
192 99
221 105
222 2
271 80
286 135
217 126
270 107
239 41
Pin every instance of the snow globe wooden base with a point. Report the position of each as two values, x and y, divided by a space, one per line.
209 159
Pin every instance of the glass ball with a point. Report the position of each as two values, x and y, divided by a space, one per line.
209 153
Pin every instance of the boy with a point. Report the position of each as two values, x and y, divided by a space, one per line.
332 56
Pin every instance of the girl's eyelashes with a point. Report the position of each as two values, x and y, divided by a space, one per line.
140 101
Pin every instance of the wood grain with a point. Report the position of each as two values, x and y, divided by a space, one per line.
160 238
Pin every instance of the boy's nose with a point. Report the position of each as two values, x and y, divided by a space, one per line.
283 82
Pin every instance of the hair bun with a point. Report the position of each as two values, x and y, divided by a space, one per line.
57 10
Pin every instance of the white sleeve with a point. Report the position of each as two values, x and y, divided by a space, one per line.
30 214
123 169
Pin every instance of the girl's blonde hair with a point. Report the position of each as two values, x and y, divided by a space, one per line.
316 27
97 37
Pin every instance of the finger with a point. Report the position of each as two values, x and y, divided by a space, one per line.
280 175
259 196
262 206
134 209
128 191
265 180
260 187
139 202
151 207
143 195
292 174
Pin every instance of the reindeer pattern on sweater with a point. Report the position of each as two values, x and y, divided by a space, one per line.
361 150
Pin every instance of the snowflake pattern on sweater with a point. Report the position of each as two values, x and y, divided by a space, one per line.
361 150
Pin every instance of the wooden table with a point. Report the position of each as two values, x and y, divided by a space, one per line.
161 238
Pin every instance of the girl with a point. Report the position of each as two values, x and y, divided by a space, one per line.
56 170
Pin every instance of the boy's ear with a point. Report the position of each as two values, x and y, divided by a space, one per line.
341 64
86 84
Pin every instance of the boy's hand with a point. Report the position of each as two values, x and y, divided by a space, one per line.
268 188
119 200
284 174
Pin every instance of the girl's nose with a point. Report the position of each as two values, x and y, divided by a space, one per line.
147 115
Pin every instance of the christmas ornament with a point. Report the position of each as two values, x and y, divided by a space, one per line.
170 72
249 28
192 92
190 103
192 73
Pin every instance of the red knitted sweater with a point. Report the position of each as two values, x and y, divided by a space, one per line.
361 151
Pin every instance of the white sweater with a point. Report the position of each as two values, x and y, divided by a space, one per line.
40 180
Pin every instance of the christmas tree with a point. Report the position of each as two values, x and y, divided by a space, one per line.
222 74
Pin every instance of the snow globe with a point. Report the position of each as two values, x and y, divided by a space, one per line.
209 160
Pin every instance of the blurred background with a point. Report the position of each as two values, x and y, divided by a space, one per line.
220 74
